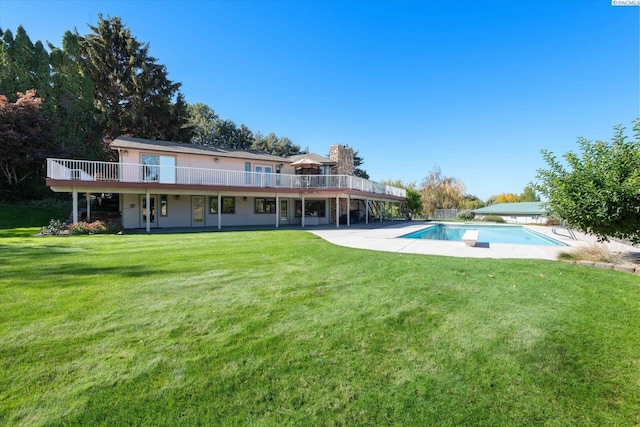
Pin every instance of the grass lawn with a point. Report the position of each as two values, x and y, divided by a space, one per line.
283 328
19 220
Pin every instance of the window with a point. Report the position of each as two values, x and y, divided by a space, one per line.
265 205
311 208
228 205
159 168
163 205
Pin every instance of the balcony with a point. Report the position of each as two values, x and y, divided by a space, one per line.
85 170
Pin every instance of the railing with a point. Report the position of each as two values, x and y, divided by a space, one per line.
85 170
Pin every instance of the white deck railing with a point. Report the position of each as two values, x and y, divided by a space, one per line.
85 170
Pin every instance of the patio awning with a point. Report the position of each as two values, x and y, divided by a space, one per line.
306 163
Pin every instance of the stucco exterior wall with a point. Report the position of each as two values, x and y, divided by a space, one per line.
179 212
134 156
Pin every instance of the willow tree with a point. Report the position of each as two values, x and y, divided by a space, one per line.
133 94
441 192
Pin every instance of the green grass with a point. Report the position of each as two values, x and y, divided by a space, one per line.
19 220
283 328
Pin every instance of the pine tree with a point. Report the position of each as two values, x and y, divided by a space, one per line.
73 115
133 94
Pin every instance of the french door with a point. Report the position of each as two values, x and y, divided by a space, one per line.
284 211
144 211
197 211
263 175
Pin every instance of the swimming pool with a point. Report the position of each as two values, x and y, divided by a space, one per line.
487 234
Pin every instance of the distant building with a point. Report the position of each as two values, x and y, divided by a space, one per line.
515 213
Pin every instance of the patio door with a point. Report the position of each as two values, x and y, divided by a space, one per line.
144 211
263 175
197 211
284 211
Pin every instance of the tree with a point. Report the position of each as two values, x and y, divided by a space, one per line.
598 190
357 162
472 202
414 198
272 144
441 192
73 113
23 137
133 94
529 195
244 137
202 119
503 198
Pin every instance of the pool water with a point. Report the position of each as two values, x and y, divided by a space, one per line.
487 234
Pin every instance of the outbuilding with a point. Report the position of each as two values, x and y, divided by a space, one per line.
515 213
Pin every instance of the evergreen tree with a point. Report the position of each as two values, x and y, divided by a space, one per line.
133 94
73 115
25 66
357 162
272 144
202 120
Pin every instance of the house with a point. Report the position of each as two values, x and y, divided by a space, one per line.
517 213
168 184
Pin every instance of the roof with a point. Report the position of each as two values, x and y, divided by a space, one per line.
205 150
318 158
522 208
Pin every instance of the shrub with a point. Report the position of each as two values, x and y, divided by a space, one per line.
55 227
552 222
96 227
466 215
596 253
494 218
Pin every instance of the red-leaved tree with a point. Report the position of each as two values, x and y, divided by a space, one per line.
23 137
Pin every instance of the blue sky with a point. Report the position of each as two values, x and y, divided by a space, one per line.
476 87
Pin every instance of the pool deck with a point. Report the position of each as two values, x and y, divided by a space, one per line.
386 239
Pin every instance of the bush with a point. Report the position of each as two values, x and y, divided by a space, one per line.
96 227
552 222
494 218
596 253
466 215
55 228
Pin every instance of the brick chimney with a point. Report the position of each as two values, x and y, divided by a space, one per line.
343 156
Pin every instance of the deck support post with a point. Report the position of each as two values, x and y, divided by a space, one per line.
219 211
88 196
148 211
337 211
74 215
366 211
302 219
277 211
348 210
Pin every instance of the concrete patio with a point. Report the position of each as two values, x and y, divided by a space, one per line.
385 238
